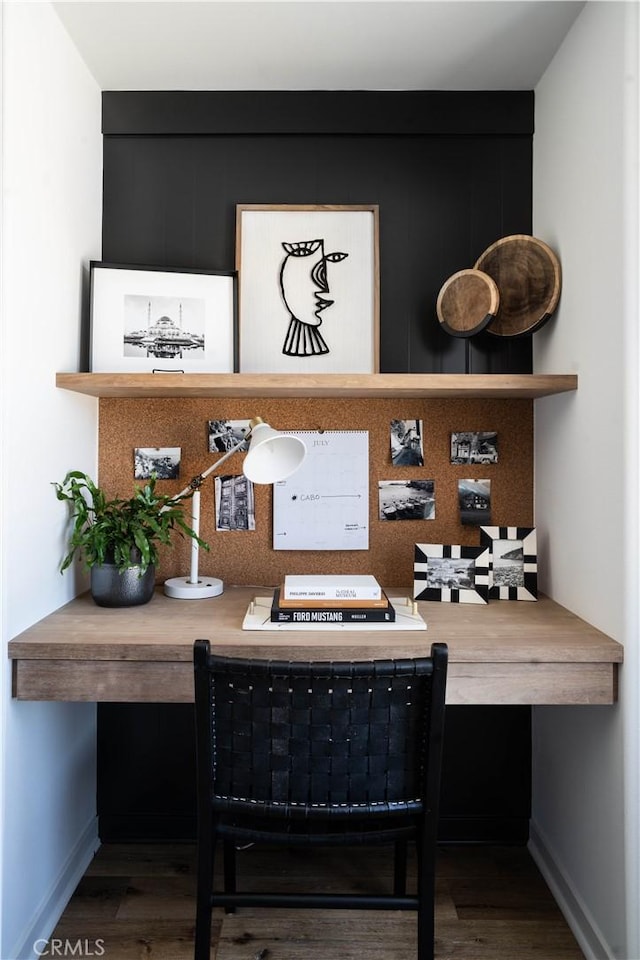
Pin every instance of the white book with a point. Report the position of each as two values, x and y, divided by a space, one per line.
330 587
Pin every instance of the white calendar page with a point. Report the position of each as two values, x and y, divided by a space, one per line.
325 504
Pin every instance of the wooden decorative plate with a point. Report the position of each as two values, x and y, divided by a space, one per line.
467 302
527 273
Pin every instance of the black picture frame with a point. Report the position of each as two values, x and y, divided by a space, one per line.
512 577
435 573
148 319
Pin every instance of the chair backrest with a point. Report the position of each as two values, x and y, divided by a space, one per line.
332 738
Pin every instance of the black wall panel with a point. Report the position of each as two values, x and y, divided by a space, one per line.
170 198
171 202
451 173
434 112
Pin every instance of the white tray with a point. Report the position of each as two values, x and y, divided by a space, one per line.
258 617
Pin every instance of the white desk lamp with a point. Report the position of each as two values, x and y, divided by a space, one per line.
272 456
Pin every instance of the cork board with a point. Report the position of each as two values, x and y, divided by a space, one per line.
247 557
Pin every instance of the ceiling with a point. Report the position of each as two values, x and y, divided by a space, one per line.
318 44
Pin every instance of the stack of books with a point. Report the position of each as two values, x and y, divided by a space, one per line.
331 599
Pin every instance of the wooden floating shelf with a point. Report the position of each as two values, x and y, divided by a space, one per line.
398 385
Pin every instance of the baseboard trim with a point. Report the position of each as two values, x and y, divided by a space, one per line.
51 907
582 924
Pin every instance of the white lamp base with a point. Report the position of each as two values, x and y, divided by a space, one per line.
181 588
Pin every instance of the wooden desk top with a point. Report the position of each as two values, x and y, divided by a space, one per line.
506 652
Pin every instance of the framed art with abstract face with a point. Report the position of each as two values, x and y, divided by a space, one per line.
308 288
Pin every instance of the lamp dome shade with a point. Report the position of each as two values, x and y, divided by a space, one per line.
272 455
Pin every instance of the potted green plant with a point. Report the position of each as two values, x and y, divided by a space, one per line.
119 539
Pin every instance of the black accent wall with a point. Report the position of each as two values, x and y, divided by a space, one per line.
451 173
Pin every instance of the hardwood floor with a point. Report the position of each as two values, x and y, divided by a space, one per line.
138 901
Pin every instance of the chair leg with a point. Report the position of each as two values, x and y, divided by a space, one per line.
426 904
229 856
400 868
206 858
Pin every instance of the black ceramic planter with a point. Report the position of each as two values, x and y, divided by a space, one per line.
111 588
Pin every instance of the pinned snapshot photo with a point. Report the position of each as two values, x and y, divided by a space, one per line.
470 447
474 501
224 435
163 462
406 443
235 506
406 500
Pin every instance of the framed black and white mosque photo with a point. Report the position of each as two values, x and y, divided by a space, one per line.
148 319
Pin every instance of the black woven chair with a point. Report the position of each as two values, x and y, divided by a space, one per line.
318 753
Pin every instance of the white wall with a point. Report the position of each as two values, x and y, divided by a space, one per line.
52 174
584 809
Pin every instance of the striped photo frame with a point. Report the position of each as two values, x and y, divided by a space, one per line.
451 573
513 562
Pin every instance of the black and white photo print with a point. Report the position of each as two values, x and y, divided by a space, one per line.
508 563
406 443
406 500
164 462
474 500
445 572
470 447
223 435
163 327
235 508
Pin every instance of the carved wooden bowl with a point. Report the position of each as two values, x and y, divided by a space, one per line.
467 302
527 274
